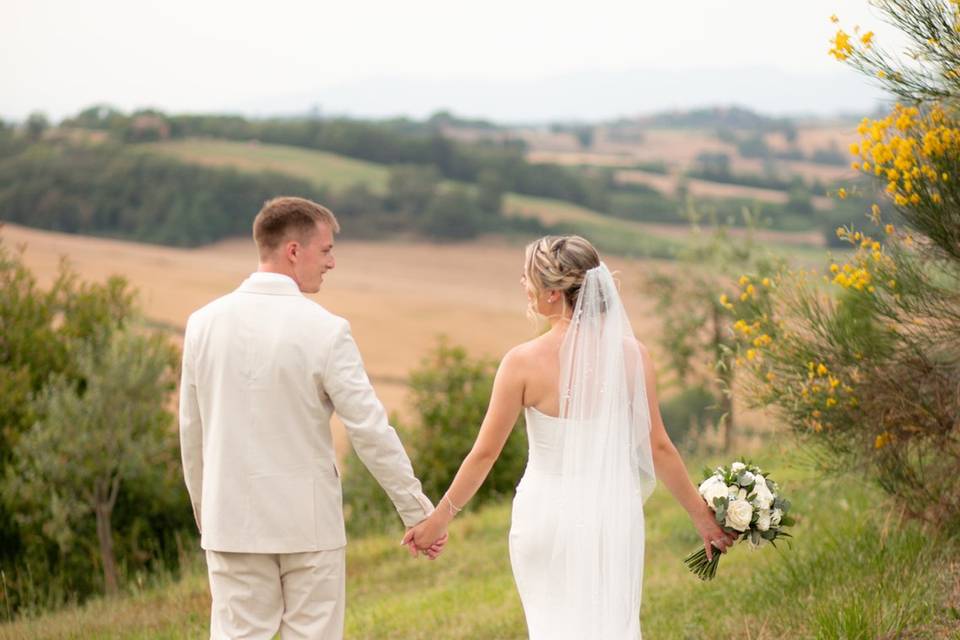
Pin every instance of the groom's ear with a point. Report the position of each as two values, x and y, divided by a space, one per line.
291 250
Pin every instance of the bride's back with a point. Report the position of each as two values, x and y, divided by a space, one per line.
541 372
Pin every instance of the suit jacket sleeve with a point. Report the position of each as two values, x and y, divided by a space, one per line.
191 428
375 441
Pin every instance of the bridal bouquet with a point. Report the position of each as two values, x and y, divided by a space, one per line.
746 502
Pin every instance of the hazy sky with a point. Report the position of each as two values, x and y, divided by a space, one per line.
285 55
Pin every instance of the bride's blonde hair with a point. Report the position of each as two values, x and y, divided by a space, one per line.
561 263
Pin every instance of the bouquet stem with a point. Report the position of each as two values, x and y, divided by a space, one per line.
698 563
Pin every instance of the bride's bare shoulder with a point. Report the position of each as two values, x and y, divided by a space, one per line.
523 355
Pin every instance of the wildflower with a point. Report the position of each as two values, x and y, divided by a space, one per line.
842 193
888 229
841 45
882 440
867 38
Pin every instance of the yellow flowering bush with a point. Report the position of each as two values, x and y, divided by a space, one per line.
863 355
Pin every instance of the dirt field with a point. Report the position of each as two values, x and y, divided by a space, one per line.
398 297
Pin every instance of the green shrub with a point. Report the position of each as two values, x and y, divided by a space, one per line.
449 392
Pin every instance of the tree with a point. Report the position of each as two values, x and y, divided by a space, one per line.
36 125
412 187
452 215
94 435
695 332
490 192
45 330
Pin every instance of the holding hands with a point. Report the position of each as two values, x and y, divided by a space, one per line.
429 536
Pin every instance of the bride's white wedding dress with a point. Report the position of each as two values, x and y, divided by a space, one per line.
577 532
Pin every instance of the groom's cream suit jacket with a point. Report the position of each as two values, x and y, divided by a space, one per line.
263 370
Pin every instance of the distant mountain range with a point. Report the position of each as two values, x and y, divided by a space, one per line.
587 96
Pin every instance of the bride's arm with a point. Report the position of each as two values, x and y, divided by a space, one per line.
673 472
506 401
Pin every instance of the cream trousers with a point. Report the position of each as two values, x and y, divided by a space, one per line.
255 595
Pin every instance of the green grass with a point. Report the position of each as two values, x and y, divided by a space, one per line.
319 167
855 571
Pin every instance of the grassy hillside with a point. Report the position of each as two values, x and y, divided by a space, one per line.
322 168
855 571
615 235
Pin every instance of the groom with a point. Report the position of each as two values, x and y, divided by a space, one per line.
263 370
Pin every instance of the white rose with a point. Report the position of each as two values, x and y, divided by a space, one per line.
764 521
741 495
739 513
763 496
737 467
775 517
747 477
713 487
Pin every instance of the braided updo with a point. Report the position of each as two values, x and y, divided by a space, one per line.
561 263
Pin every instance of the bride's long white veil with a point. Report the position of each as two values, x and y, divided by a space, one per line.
607 469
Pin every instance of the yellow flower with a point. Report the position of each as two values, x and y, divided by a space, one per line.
854 149
743 280
821 369
841 45
888 229
831 402
834 268
867 38
882 440
834 19
881 74
842 193
765 282
724 299
751 354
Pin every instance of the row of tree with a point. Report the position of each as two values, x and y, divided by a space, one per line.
111 189
387 142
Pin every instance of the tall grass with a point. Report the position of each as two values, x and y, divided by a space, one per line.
855 571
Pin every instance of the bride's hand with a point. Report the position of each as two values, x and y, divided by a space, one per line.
713 535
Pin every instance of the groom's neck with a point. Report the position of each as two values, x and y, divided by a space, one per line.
269 267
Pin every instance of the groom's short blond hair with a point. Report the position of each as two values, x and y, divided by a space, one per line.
289 217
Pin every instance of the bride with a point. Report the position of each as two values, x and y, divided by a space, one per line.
597 445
